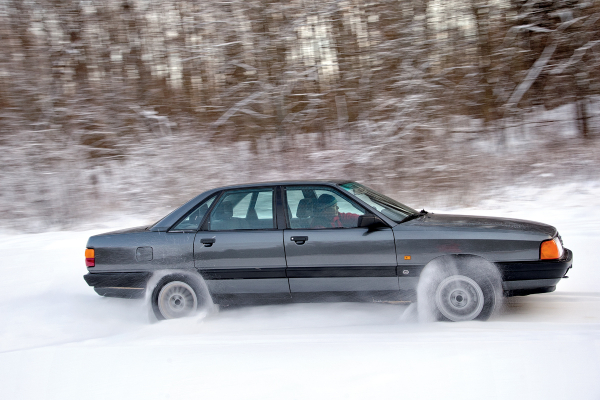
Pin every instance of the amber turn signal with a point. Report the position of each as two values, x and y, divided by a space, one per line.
90 258
551 249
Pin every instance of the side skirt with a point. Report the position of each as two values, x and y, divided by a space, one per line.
315 297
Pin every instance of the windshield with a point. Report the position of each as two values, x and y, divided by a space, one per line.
391 208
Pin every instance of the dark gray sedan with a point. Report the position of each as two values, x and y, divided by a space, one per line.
324 241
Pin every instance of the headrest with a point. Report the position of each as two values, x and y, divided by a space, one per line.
325 200
305 208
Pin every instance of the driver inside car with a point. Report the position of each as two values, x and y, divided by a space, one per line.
327 214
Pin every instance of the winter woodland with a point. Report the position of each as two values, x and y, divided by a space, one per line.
137 105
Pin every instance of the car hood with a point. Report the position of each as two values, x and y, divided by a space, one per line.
483 223
128 230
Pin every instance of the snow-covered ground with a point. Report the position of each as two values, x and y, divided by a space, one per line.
59 340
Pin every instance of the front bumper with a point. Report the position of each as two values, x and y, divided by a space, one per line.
119 284
528 277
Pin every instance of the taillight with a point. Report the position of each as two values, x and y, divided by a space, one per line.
551 249
90 258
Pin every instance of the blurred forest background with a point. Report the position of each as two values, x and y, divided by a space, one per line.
131 106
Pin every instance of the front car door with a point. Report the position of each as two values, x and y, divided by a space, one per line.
239 249
325 249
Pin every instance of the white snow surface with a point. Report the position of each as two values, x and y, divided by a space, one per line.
60 340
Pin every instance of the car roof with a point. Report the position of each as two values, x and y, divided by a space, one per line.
283 183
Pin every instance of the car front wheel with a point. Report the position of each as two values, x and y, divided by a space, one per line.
451 290
459 298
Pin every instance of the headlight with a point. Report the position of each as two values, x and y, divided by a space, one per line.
551 249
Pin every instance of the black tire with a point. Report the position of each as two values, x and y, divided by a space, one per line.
176 296
459 289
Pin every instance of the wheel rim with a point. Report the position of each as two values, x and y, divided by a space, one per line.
459 298
177 299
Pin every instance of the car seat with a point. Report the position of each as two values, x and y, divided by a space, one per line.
305 212
223 218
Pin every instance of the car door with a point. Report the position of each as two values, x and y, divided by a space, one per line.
334 255
239 249
174 249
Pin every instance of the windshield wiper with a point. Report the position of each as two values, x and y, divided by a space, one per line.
414 215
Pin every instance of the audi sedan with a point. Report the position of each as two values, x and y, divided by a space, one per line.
323 241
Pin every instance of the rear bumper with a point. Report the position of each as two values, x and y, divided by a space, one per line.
528 277
119 284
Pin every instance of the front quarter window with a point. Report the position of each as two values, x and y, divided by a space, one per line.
391 208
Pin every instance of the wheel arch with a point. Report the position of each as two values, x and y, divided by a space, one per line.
463 261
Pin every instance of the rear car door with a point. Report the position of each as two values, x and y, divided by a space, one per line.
326 254
239 249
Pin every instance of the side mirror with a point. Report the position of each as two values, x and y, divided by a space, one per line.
370 221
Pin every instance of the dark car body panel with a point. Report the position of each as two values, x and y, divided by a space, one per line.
119 284
135 280
541 269
494 239
341 260
267 261
242 261
528 277
485 223
119 251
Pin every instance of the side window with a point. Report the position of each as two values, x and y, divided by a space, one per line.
242 210
317 207
192 221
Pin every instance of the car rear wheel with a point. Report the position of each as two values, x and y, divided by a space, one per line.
454 290
174 297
